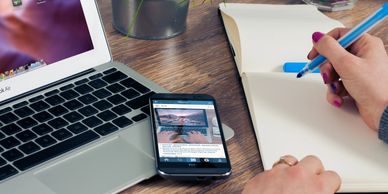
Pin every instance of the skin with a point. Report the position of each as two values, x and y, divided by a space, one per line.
360 74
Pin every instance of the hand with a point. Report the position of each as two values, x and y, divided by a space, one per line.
168 137
360 73
196 137
307 176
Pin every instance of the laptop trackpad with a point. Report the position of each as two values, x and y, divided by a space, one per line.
111 165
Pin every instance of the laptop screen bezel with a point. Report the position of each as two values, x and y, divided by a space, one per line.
67 67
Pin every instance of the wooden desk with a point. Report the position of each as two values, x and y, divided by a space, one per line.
199 61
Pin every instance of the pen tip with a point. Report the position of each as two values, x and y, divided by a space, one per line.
299 75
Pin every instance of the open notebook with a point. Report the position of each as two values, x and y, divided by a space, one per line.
291 116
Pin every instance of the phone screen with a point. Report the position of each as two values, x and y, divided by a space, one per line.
188 132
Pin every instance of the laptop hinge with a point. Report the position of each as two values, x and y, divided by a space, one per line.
46 86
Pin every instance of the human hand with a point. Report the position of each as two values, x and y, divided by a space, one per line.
168 137
304 177
360 72
196 137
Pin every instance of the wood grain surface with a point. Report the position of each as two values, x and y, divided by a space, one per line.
199 61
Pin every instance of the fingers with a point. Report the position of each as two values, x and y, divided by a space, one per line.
312 164
335 33
331 181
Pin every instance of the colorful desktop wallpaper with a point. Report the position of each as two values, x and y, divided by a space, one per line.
40 32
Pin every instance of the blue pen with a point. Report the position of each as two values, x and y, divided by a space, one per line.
349 37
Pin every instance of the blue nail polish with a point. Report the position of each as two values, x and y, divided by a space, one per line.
333 87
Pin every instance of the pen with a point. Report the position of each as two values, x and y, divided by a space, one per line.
349 37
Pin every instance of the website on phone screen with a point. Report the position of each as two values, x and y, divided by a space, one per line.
188 131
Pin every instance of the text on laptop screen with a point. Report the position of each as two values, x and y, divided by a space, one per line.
35 33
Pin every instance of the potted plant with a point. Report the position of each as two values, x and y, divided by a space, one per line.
150 19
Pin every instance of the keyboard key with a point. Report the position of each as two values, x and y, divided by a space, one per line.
107 115
69 94
106 129
39 106
139 117
114 77
73 104
42 129
58 110
73 117
2 135
82 81
45 141
55 150
36 98
29 147
88 111
87 99
12 155
61 134
102 105
66 87
98 75
83 89
77 128
116 99
109 71
121 109
20 104
7 171
140 101
8 118
130 93
115 88
23 112
146 110
58 123
9 142
55 100
92 121
11 129
51 93
102 93
42 116
5 110
26 135
2 162
97 84
122 122
27 123
131 83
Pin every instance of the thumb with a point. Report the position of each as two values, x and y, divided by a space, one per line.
338 56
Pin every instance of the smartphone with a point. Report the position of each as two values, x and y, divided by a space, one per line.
188 138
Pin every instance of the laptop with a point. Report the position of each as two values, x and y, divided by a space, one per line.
71 120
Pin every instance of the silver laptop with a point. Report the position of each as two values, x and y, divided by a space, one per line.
71 120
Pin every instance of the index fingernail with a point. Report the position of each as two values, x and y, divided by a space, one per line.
316 36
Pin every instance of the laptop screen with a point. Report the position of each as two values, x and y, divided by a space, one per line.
37 33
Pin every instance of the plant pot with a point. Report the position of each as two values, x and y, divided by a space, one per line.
150 19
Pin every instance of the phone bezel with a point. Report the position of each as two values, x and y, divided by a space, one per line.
188 169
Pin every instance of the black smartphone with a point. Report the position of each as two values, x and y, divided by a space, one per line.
188 138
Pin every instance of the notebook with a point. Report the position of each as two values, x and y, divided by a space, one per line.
289 115
71 119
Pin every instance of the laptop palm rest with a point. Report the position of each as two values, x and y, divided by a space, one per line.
65 177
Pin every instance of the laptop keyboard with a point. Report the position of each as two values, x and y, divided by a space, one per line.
46 126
